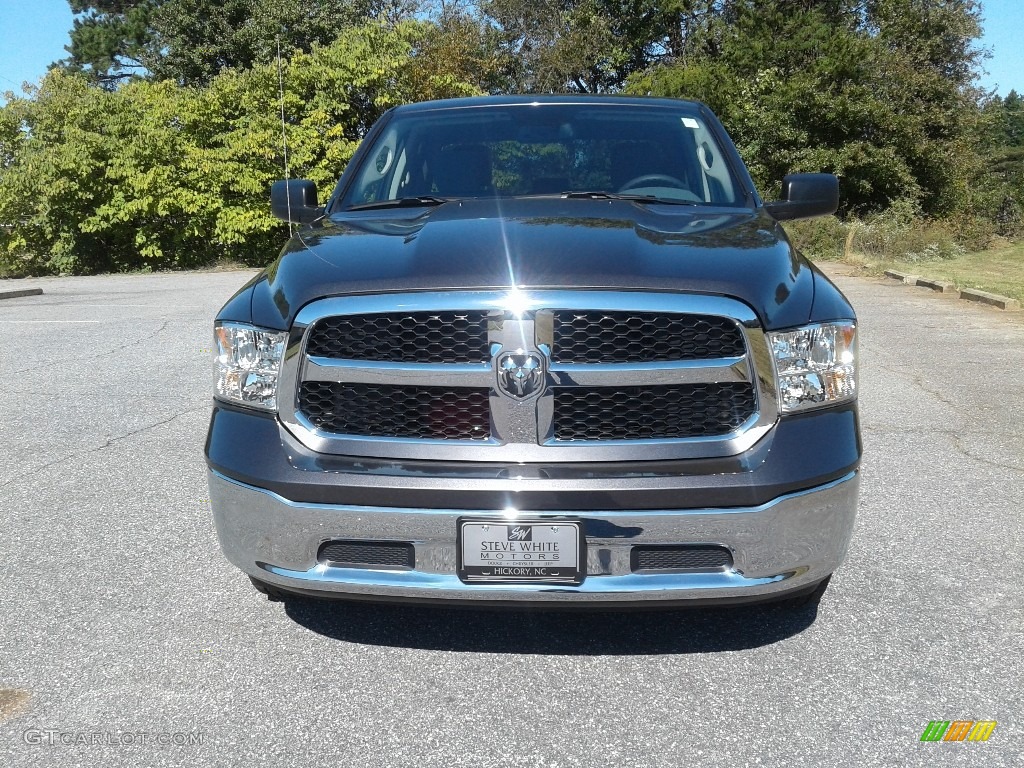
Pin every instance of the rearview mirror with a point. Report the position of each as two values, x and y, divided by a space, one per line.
805 195
295 201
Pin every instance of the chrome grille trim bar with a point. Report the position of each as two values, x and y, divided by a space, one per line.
424 374
523 429
650 374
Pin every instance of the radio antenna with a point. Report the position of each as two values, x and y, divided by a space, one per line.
284 138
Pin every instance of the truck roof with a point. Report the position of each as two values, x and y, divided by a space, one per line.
495 101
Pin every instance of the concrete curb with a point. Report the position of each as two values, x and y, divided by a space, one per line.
903 277
968 294
993 299
938 286
21 292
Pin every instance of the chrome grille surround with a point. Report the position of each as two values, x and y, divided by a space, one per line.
522 426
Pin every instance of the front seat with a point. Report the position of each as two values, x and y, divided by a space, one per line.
463 170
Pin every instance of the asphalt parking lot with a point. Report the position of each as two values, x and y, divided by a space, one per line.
127 640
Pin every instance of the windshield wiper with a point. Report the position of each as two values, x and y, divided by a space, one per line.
602 195
402 202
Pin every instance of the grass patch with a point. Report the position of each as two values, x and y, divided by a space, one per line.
999 269
928 248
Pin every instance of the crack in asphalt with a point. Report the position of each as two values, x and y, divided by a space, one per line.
955 437
884 429
98 355
108 442
917 380
919 383
962 449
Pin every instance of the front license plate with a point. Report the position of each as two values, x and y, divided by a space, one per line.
535 551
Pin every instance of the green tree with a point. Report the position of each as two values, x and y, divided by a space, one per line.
589 46
1004 120
929 64
109 38
999 183
1013 117
157 175
193 40
841 86
190 41
460 44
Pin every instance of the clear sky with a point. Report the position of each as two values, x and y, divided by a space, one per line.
33 34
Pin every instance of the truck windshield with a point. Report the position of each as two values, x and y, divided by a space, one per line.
654 154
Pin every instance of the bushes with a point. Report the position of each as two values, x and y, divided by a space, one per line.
824 238
898 233
902 234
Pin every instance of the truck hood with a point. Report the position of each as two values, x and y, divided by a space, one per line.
541 243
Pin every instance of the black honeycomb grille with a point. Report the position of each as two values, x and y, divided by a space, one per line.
658 412
385 410
679 558
382 554
420 337
642 337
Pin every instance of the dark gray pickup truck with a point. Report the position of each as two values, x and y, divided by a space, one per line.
539 350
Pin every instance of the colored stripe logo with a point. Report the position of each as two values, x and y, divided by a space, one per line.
958 730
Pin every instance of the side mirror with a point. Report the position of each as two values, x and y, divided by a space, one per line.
295 201
805 195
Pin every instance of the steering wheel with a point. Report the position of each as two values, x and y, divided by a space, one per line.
640 181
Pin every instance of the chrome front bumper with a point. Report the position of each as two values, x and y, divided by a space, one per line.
782 546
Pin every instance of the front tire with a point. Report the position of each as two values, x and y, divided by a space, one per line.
810 598
272 593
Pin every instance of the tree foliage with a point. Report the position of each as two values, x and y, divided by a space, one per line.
109 38
190 41
589 46
156 175
845 87
156 142
1000 181
193 40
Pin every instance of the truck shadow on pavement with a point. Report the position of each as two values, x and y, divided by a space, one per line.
567 633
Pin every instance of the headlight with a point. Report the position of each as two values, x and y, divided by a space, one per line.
815 365
248 364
